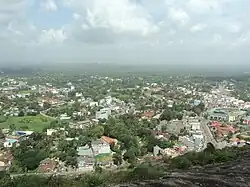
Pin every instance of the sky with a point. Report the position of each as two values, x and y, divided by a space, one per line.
184 32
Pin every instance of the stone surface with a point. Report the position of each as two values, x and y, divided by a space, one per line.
233 174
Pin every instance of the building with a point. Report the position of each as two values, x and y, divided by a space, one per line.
85 157
51 131
99 153
222 130
5 160
103 113
246 120
147 115
47 165
225 114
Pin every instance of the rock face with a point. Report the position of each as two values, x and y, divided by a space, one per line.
233 174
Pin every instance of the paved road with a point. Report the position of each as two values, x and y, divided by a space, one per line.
208 136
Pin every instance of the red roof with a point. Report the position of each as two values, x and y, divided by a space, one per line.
221 129
148 114
108 140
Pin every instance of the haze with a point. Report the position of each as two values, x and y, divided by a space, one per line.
183 32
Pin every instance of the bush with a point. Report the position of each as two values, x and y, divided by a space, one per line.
145 171
181 163
3 119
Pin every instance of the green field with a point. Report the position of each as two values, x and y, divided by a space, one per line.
25 91
32 123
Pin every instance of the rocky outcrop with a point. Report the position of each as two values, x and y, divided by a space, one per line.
233 174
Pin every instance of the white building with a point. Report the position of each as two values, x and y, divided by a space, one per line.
50 131
103 113
195 126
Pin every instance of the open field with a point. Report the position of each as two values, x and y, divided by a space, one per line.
33 123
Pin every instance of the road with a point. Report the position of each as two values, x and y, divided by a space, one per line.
54 173
45 115
208 136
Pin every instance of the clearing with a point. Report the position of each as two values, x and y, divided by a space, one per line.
32 123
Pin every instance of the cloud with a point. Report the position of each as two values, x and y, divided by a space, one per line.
76 16
49 5
178 15
198 27
158 29
12 10
119 16
52 36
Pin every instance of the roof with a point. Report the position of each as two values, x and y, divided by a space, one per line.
84 151
6 157
108 140
148 114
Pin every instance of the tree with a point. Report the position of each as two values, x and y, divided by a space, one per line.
166 115
12 127
97 131
117 158
129 155
1 134
21 113
165 144
179 116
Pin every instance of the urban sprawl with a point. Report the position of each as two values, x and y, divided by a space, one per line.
71 124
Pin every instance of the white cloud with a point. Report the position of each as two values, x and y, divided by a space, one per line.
11 29
217 38
178 15
12 10
203 6
52 36
123 24
198 27
234 28
49 5
76 16
119 16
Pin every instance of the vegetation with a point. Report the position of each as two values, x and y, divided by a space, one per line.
148 170
33 123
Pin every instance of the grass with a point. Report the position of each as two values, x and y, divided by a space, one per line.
25 91
32 123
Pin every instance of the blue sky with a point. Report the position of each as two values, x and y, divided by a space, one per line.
125 31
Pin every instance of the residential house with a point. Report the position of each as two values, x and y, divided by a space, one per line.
147 115
64 117
51 131
222 130
103 113
246 120
10 141
47 165
100 153
85 158
5 160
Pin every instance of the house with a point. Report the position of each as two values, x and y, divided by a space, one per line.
222 130
147 115
85 158
246 120
100 153
103 113
10 141
64 117
5 160
47 165
51 131
108 140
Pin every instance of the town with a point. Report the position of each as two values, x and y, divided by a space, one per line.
72 124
